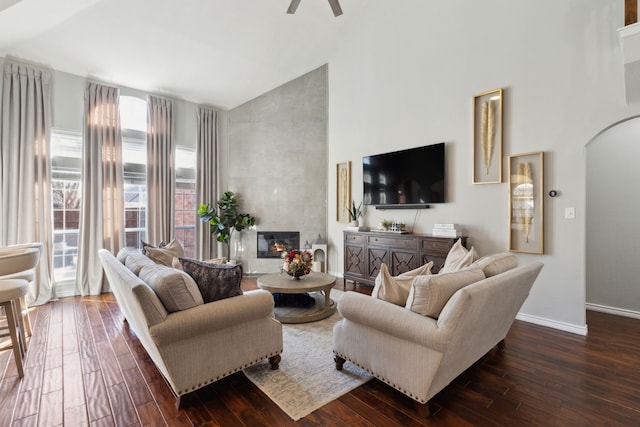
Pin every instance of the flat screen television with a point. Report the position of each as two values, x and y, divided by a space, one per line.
410 178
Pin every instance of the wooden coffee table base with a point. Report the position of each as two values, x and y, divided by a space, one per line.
318 285
306 314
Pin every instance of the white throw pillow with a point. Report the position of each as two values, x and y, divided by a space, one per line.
429 294
167 255
496 263
458 258
396 289
175 288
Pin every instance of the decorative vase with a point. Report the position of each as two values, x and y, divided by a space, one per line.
296 275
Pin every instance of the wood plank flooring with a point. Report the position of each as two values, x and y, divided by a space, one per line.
86 367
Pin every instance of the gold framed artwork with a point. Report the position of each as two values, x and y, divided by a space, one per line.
487 137
343 191
526 209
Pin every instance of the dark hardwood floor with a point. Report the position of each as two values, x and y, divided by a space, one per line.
85 367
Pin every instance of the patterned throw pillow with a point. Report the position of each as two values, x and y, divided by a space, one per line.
215 281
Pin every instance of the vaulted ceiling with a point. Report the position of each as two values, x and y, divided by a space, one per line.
220 52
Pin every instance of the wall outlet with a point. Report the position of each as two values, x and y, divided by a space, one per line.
570 213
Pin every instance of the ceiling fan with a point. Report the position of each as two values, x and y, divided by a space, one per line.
335 6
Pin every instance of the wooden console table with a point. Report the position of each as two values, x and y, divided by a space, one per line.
364 252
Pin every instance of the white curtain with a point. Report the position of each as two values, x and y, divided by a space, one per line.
25 169
161 173
102 207
206 178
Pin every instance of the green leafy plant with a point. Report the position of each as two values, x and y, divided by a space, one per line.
355 212
224 219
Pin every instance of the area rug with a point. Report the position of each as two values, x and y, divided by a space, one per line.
307 378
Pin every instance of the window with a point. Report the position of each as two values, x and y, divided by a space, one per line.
133 119
185 199
66 156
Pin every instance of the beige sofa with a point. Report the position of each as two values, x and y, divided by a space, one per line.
196 346
420 355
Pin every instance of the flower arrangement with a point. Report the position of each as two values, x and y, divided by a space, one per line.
297 263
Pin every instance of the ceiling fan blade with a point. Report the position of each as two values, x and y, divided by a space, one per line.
335 6
293 6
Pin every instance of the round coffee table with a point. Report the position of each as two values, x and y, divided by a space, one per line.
314 282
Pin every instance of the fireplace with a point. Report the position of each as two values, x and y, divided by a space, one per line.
271 244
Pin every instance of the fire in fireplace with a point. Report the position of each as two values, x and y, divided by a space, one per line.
271 244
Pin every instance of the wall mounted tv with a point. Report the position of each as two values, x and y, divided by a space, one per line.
409 179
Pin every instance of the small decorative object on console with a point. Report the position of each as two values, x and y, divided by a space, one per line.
397 227
297 263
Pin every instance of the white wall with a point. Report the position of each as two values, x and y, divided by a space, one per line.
406 77
67 103
613 220
68 107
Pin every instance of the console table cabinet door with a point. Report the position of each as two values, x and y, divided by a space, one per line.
402 261
364 253
354 261
376 255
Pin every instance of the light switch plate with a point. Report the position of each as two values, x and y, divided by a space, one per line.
570 213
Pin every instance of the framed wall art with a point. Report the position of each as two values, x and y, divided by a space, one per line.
526 209
343 191
487 137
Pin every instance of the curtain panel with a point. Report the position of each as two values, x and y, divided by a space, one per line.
206 177
102 208
161 172
25 169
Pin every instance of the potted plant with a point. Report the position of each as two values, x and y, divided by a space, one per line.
225 219
355 212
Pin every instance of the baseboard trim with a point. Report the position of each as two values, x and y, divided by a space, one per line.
65 289
613 310
567 327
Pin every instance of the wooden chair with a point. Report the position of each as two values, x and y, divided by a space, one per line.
11 291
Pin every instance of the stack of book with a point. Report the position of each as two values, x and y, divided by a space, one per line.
446 230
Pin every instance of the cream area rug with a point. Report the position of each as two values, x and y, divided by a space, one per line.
307 378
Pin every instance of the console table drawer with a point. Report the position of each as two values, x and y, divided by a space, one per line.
354 238
435 245
393 242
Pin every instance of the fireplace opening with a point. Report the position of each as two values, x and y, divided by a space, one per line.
271 244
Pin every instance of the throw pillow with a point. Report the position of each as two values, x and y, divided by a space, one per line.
175 288
166 254
458 258
215 281
396 289
123 254
145 244
496 263
135 261
429 294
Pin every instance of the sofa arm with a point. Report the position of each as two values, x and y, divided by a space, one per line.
392 319
215 315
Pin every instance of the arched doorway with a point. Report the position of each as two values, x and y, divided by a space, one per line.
613 219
